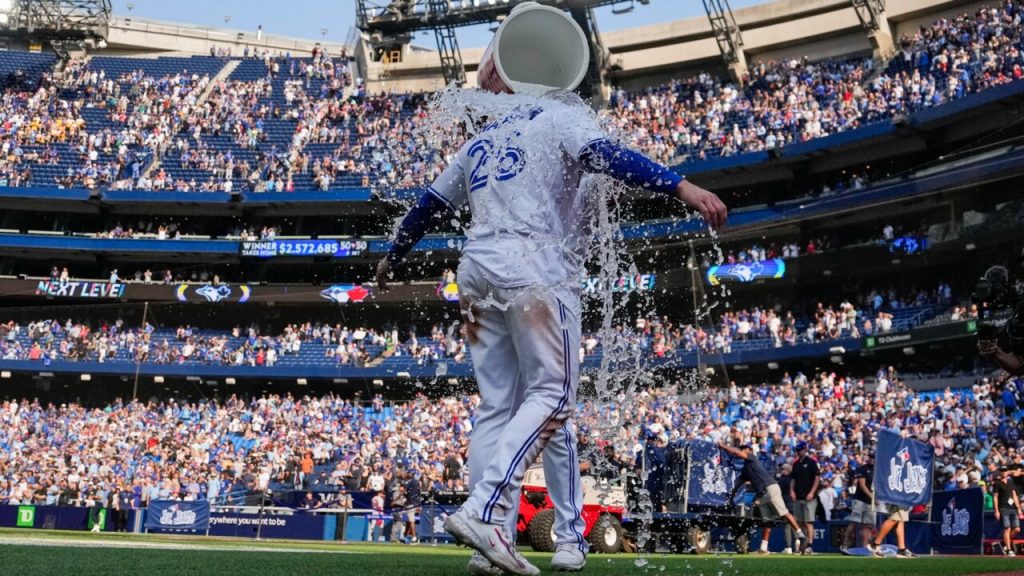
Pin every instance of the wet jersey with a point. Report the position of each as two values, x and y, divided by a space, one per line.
520 177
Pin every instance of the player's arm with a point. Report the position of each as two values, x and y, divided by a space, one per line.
602 156
441 199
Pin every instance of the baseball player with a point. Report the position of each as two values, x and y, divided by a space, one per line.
520 298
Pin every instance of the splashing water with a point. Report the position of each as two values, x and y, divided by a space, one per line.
455 116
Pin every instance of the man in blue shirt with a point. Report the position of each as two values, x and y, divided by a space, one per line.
769 495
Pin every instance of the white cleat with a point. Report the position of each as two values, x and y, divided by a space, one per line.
480 566
491 540
568 558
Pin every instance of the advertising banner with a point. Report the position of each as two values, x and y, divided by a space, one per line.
637 283
903 470
80 289
297 526
919 335
26 516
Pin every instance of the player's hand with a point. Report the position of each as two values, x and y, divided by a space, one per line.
997 513
707 203
383 273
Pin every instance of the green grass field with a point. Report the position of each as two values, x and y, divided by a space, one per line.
24 553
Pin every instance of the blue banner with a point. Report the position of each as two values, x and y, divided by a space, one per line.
903 470
430 527
174 515
712 475
958 522
769 269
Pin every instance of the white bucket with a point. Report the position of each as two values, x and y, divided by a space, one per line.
535 50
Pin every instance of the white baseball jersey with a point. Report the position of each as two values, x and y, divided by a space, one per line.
520 177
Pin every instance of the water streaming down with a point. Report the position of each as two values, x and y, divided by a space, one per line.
455 116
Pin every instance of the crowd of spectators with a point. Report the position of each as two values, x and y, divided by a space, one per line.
695 118
690 119
53 340
72 455
796 100
209 449
872 313
974 431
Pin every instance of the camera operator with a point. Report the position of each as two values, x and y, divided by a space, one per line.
1008 361
1001 342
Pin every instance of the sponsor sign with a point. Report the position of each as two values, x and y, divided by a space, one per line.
919 335
26 516
764 270
80 289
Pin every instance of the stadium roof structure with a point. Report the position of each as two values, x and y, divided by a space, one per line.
399 17
56 19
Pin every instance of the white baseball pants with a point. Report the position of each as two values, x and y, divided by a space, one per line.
525 348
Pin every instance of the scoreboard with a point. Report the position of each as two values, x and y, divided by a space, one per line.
302 248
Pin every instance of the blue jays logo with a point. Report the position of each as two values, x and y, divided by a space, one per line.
345 293
214 293
955 521
746 272
905 476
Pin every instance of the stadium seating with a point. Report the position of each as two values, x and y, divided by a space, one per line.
783 103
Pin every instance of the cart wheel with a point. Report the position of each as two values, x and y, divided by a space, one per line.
699 539
606 535
542 531
742 544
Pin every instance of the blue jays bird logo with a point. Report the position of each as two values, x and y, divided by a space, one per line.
214 293
345 293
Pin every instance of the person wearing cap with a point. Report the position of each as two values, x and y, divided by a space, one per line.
1006 503
784 479
862 512
522 177
804 492
769 496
